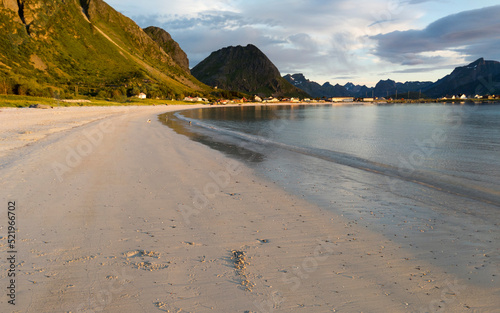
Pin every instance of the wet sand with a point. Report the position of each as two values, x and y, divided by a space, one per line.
118 213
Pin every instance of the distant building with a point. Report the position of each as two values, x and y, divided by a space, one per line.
195 99
258 99
271 99
142 95
341 99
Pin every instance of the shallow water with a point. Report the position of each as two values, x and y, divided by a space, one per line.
416 173
453 148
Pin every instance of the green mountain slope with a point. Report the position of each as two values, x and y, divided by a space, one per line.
244 69
83 46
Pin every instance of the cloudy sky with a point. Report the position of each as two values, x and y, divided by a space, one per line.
338 41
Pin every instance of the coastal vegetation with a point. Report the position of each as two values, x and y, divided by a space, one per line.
84 48
16 101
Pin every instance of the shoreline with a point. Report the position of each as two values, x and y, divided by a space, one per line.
407 215
143 219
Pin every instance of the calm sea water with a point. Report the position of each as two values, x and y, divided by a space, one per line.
393 168
455 148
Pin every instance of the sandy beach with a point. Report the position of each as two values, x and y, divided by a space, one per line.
115 212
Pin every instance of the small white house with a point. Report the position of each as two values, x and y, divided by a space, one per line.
270 99
142 95
195 99
341 99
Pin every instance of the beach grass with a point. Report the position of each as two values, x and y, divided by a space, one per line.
15 101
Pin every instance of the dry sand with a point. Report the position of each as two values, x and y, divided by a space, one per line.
124 215
20 127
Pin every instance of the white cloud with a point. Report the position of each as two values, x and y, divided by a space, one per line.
169 8
322 39
452 36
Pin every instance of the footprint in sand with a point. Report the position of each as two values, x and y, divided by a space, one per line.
146 258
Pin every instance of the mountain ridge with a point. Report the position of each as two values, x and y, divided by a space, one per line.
66 48
170 46
244 69
480 77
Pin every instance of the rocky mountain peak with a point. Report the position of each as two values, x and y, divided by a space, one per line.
244 69
170 46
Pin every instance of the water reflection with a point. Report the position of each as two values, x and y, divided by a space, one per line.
209 139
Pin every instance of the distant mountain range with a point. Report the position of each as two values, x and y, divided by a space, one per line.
326 90
244 69
480 77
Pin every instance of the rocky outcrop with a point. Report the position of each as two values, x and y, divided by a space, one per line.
170 46
244 69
